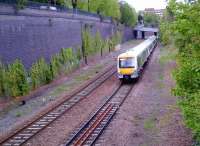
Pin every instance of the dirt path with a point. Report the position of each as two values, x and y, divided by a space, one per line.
149 116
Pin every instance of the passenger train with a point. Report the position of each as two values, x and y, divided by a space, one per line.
131 63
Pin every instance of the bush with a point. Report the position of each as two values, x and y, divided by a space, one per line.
190 107
182 26
87 42
92 45
65 61
187 76
55 65
165 33
79 54
98 42
66 55
105 44
117 38
40 73
16 76
13 79
72 60
2 79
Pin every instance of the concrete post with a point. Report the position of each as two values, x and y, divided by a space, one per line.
143 34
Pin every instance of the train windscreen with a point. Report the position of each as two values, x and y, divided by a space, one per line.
126 63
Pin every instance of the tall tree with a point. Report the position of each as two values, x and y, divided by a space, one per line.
105 7
128 15
151 19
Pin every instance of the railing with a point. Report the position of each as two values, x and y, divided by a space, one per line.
36 5
8 1
39 6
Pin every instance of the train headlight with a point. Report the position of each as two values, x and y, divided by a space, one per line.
120 76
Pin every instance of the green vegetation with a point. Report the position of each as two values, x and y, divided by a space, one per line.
108 8
40 73
2 79
117 38
98 42
16 79
93 44
128 15
184 29
55 65
18 114
104 7
21 4
149 124
13 77
88 42
167 54
151 19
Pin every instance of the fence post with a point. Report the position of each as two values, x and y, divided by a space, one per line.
83 45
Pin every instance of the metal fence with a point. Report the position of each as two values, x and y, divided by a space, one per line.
39 6
36 5
8 1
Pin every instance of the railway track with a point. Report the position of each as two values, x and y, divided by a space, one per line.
90 131
23 134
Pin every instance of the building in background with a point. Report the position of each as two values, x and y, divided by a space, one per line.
158 12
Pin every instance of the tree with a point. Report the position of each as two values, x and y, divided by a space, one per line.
65 3
181 20
110 8
128 15
21 4
74 4
104 7
151 19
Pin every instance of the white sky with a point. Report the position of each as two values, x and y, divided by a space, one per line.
142 4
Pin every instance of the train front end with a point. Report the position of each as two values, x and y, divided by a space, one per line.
126 67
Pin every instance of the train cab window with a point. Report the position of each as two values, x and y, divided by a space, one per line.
126 63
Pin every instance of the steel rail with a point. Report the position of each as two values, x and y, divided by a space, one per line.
94 127
22 135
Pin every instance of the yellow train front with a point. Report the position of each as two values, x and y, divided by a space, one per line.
127 66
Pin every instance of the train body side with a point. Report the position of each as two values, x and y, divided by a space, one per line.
130 63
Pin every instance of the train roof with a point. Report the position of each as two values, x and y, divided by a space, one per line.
135 51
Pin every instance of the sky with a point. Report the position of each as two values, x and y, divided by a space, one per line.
142 4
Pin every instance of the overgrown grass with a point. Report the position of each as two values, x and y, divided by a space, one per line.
76 81
167 54
166 118
149 124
